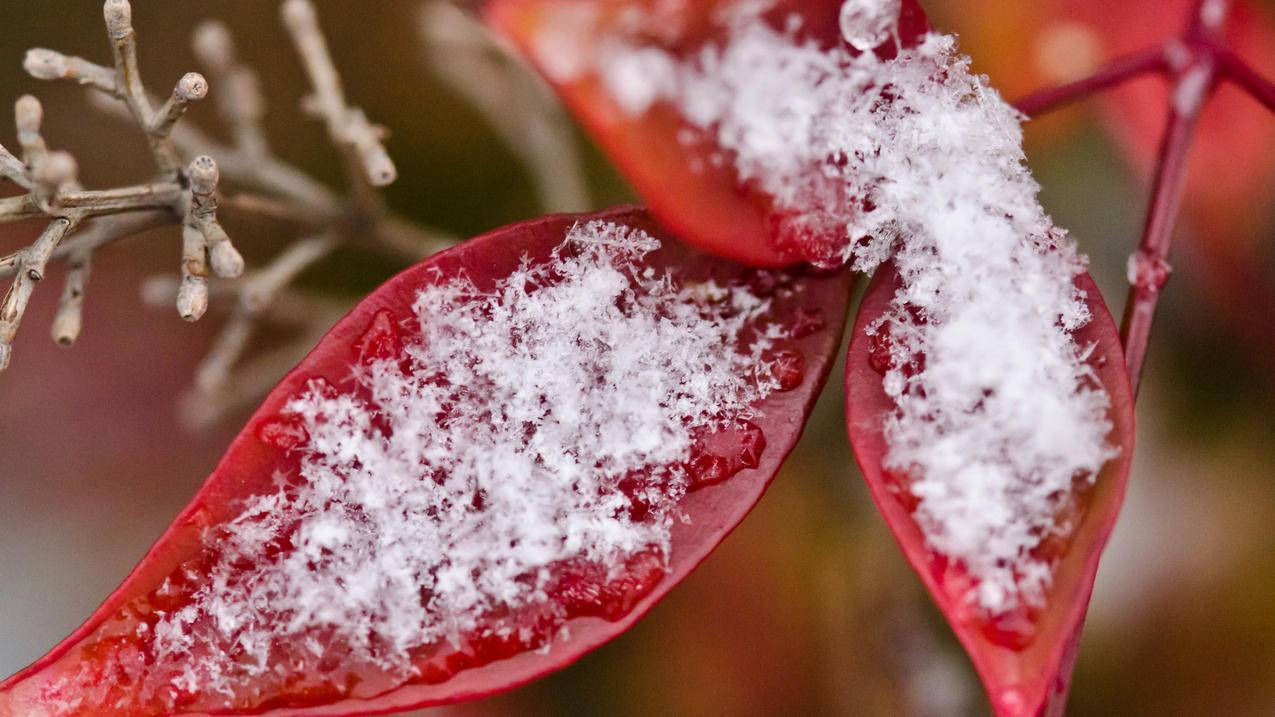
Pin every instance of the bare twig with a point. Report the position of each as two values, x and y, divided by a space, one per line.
70 317
30 271
1248 79
95 233
1149 269
12 169
239 102
129 86
367 162
190 88
1116 73
51 178
256 294
44 64
186 190
1194 63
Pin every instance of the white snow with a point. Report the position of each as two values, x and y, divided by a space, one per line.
1006 419
453 486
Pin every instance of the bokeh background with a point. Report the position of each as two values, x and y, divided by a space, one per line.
808 608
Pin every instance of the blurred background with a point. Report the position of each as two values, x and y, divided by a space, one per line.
808 608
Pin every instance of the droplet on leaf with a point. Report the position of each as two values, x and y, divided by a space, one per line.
865 24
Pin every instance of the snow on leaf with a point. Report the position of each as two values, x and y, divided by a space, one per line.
1024 654
498 461
997 423
642 77
914 158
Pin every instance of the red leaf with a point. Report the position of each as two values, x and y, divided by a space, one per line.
115 663
685 184
1024 657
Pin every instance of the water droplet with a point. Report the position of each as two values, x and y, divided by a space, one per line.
641 572
1147 273
865 24
806 322
381 340
283 433
1014 629
723 453
584 588
752 442
706 469
788 367
1009 702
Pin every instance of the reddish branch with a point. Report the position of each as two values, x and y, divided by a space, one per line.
1193 64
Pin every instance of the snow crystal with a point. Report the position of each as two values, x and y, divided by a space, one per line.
915 159
448 488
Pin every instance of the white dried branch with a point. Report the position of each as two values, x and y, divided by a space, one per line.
256 293
128 79
96 233
262 173
201 216
70 317
28 115
514 100
190 88
408 240
30 265
192 297
200 410
189 195
12 169
51 178
44 64
45 180
349 128
239 100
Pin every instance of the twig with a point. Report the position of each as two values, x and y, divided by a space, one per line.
1116 73
95 233
265 185
129 86
256 294
12 169
1149 268
70 317
1238 71
368 164
30 271
240 102
1196 61
51 178
44 64
190 88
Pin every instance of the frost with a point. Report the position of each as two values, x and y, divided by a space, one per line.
447 488
915 159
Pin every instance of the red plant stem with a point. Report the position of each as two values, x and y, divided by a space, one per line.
1118 71
1195 62
1237 70
1149 267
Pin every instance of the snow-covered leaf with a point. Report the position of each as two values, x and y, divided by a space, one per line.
673 93
844 133
988 490
498 461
